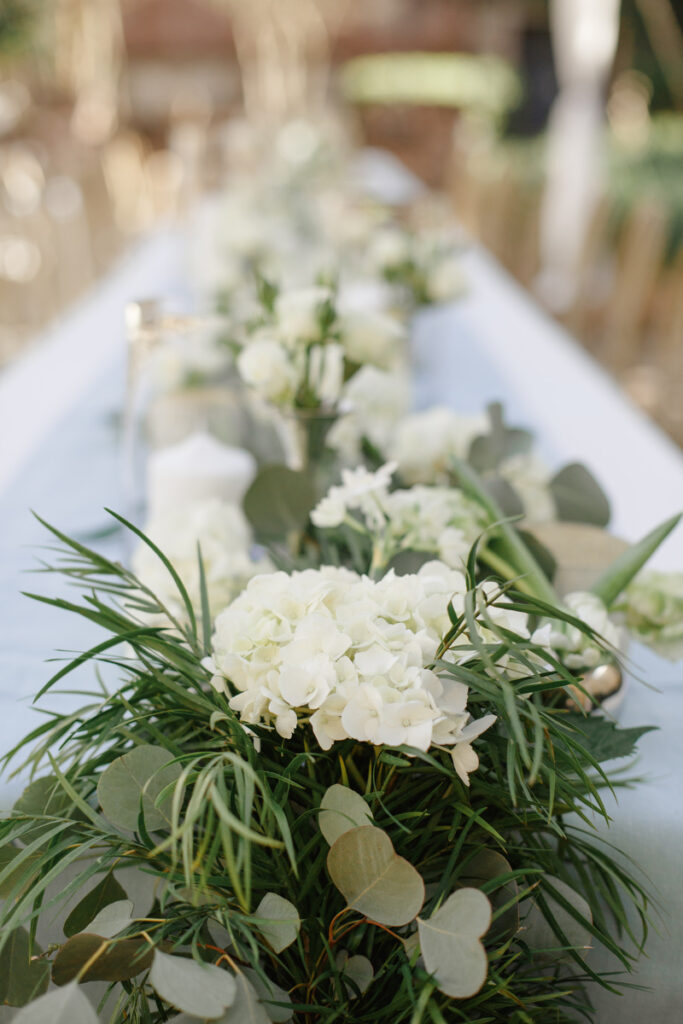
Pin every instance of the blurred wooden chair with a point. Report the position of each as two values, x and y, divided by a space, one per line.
639 262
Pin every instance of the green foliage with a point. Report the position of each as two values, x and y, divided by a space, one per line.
279 501
578 496
617 577
105 892
234 826
21 978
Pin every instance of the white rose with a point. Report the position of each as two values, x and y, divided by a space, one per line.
297 313
375 338
445 280
389 247
267 367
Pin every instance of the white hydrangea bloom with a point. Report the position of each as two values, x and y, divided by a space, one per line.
224 536
348 655
424 443
574 648
438 519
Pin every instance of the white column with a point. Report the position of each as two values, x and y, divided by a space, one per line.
584 37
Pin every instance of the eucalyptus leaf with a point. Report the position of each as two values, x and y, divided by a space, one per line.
408 562
66 1005
505 496
451 946
486 866
271 995
112 919
247 1007
107 891
202 990
21 978
502 442
117 961
136 778
279 501
581 552
342 809
373 879
578 496
617 577
26 869
539 933
358 970
44 796
278 921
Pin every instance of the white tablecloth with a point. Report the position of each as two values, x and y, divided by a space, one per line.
59 412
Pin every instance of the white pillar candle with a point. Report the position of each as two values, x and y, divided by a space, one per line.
198 468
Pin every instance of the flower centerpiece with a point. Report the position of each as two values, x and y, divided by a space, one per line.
366 792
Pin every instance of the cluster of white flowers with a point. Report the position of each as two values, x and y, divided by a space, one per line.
438 519
224 536
441 520
424 443
308 346
428 265
348 655
573 647
652 610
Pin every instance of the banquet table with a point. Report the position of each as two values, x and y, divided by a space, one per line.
60 412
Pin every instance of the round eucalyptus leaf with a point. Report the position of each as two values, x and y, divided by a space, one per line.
342 809
279 501
139 775
278 921
247 1007
107 891
578 496
538 932
486 866
21 979
373 879
117 961
357 969
581 552
202 990
276 1001
112 919
450 943
66 1005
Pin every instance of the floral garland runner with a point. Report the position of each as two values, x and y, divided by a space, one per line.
343 756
